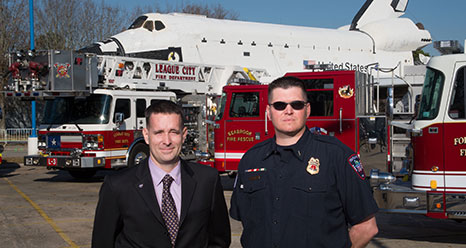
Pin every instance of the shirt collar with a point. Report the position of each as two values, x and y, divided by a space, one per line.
157 173
298 148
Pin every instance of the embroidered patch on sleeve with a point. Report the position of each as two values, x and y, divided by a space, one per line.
357 166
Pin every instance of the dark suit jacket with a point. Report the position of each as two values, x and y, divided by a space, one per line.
128 214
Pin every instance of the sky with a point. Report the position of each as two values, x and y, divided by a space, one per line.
445 19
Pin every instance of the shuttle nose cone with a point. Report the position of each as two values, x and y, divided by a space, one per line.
111 46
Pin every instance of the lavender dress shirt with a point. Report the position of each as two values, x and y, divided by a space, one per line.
157 175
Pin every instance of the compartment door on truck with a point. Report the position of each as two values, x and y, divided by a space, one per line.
122 138
332 105
429 147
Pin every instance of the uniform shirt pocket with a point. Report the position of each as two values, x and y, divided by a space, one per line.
310 187
253 207
311 197
253 182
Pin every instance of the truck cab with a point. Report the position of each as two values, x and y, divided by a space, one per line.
439 137
101 130
242 118
437 187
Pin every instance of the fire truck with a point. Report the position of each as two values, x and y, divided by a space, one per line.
341 105
94 110
438 133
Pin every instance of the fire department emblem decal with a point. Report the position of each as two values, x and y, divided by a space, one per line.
62 70
346 91
313 166
357 166
173 56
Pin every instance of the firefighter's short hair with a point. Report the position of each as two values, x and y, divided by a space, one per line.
164 107
285 83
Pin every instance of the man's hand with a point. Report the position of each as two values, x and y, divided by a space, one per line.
362 233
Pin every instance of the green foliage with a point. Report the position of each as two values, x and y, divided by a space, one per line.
416 55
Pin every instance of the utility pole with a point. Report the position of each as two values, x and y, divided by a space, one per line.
32 140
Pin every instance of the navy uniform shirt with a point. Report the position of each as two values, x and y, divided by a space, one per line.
304 195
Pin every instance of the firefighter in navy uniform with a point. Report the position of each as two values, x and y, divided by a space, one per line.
299 189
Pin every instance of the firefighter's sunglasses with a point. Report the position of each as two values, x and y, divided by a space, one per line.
296 105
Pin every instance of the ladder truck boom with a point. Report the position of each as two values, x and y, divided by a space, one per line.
94 105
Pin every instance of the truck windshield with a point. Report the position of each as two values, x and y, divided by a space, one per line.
93 109
221 106
431 95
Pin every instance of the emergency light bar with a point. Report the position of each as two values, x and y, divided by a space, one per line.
448 46
318 67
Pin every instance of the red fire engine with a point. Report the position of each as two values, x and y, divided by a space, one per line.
337 109
438 135
94 105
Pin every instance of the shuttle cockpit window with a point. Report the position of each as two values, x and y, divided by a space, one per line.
149 25
138 22
159 25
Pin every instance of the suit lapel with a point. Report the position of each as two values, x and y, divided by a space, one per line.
145 188
188 186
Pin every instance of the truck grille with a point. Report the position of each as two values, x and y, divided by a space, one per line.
57 141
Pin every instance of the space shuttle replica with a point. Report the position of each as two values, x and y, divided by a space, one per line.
378 39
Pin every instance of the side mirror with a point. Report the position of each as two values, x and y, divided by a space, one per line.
417 101
1 148
119 118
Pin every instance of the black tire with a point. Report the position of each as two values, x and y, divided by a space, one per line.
82 174
138 154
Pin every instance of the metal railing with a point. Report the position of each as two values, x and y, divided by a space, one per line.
15 135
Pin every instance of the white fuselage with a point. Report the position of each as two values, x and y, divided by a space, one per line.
276 48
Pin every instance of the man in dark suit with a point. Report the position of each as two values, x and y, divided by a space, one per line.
165 201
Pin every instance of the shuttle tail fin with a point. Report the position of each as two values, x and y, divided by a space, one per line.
380 20
377 10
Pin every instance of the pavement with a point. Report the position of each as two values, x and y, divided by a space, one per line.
46 208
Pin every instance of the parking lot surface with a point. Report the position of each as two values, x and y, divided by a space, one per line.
42 208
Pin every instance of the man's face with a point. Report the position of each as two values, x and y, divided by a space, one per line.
165 136
288 121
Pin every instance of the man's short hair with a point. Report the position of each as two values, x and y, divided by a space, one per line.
164 107
285 83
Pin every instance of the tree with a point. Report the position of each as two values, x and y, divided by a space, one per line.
13 35
69 25
416 53
77 24
59 24
213 11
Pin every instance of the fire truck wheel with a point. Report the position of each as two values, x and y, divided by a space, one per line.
82 174
138 154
